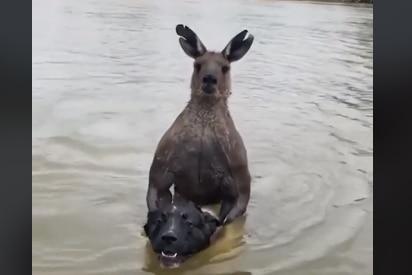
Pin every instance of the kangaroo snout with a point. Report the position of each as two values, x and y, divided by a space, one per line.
209 80
209 83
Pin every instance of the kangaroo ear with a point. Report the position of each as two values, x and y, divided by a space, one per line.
238 46
190 42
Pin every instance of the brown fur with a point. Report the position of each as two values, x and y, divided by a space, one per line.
202 153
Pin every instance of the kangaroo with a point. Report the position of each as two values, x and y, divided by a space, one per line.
202 154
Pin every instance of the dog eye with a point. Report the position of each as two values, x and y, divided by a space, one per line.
188 223
184 216
158 221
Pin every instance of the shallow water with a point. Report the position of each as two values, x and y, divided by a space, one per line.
109 77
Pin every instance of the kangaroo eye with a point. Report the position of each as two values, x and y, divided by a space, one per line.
198 67
225 69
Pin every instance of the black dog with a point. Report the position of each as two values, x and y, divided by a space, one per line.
178 230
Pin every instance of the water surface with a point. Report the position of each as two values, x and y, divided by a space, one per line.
109 77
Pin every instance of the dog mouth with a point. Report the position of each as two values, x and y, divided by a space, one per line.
170 259
168 255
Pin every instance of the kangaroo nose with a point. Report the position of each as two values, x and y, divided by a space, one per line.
209 79
169 237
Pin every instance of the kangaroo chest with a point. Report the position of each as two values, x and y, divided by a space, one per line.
201 159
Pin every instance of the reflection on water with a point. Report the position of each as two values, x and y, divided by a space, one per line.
108 79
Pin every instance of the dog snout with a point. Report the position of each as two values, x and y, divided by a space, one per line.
169 237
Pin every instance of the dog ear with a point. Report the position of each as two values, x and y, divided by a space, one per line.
211 222
150 220
146 229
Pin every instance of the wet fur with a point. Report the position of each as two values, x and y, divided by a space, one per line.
172 220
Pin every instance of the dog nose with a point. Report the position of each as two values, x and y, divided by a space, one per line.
169 237
209 79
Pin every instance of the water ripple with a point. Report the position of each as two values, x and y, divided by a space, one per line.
109 78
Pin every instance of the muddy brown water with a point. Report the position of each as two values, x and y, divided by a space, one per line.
108 79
